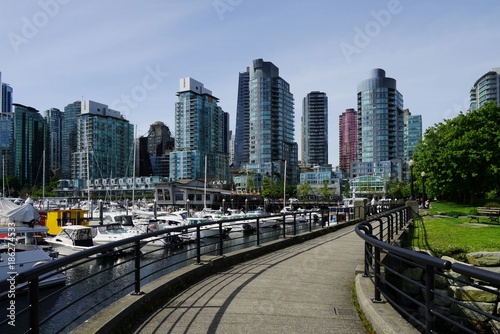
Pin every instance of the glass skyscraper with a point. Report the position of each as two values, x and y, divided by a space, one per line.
30 138
413 133
201 129
54 119
314 132
486 89
105 144
154 152
380 119
242 133
270 122
69 136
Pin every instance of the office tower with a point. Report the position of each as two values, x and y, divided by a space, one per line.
105 144
7 101
412 134
69 136
242 133
200 131
348 139
271 123
30 138
54 120
486 89
314 130
154 152
380 119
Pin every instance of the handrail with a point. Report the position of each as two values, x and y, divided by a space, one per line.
139 268
398 283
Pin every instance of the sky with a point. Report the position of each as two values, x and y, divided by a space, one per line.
131 54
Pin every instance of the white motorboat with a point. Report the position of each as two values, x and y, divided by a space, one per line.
267 222
206 231
72 239
107 233
157 241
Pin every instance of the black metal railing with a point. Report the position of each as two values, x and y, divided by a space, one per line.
433 294
99 276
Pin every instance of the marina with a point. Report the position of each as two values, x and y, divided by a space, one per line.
94 281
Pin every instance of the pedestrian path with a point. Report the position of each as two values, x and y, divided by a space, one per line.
304 288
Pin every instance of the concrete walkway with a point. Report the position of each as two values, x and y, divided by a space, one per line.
305 288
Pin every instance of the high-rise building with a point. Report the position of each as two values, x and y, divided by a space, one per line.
69 136
271 144
380 119
412 134
30 138
54 120
201 129
7 101
154 152
486 89
242 133
348 139
105 144
314 132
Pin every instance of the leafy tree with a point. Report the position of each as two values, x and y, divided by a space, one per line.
396 189
461 156
270 187
325 191
304 190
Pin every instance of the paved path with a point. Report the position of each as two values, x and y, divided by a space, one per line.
305 288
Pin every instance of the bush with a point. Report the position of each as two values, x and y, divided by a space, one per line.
492 205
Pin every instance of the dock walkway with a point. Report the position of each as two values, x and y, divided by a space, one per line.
305 288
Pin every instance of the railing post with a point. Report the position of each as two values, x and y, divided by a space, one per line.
389 229
258 231
221 242
377 298
429 299
198 245
137 269
310 221
34 297
284 226
295 224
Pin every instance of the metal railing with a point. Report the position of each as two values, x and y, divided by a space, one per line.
99 276
432 294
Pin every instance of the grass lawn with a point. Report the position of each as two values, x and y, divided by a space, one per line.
453 236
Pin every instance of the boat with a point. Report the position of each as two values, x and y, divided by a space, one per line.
19 251
164 240
299 216
72 239
106 233
267 222
206 231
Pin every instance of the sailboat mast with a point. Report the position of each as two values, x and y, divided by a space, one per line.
133 172
205 191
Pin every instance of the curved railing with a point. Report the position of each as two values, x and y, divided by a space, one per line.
434 295
95 281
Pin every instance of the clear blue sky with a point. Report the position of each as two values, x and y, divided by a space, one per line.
131 54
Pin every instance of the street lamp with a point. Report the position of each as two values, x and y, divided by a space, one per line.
423 190
223 205
411 163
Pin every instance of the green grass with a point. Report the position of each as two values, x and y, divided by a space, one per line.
452 236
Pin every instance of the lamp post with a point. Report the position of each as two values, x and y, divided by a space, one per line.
223 205
411 163
423 190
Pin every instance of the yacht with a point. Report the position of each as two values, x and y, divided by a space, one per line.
72 239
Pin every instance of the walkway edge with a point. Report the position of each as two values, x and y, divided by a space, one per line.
120 316
383 318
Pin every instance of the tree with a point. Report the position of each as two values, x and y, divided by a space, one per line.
304 190
461 156
325 191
